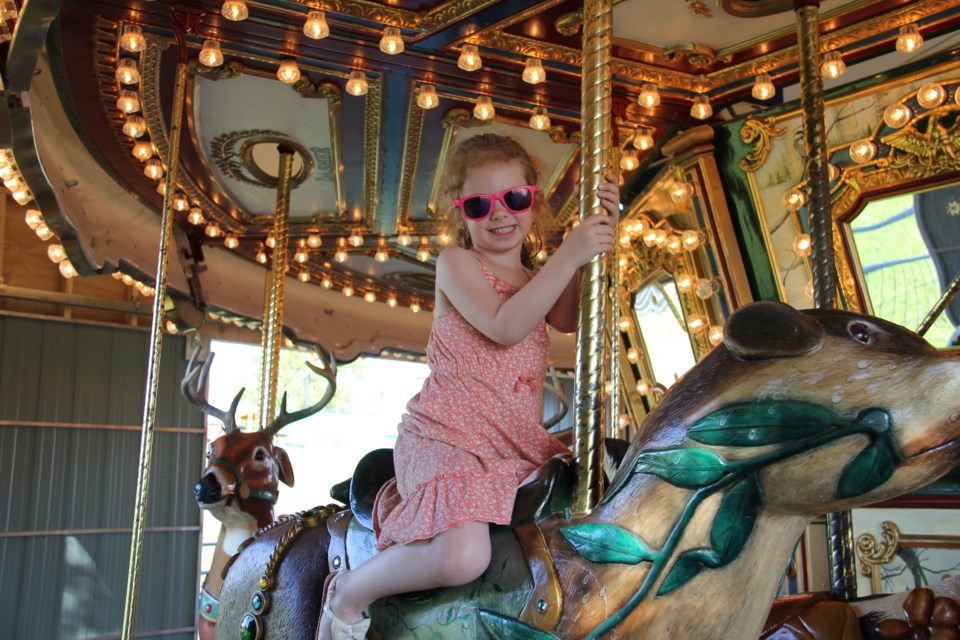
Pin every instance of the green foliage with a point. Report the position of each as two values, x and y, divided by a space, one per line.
871 468
753 424
606 543
505 628
687 468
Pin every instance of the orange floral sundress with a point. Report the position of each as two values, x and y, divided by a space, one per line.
471 435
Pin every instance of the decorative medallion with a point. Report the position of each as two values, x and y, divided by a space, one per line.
247 164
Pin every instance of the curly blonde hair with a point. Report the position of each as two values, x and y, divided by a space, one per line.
490 148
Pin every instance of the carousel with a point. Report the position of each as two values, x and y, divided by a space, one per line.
763 389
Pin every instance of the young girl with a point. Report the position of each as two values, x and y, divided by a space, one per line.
473 434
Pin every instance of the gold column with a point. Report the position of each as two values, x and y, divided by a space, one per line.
596 155
153 366
843 579
273 296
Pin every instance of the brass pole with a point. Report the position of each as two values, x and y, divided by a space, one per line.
153 366
273 302
843 578
948 295
596 155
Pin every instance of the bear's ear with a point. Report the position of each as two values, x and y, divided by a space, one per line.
286 469
771 330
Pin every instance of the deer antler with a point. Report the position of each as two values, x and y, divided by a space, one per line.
328 373
196 379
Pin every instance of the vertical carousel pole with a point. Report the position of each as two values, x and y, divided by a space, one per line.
273 295
596 155
839 525
156 341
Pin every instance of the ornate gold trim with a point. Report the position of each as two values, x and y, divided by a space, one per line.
373 115
759 134
412 139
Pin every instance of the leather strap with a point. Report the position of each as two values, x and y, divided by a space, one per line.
546 600
337 549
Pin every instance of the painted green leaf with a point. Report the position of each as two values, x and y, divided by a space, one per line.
872 467
877 420
504 628
687 468
736 518
605 543
754 424
687 566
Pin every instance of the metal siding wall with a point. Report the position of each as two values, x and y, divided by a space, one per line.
69 584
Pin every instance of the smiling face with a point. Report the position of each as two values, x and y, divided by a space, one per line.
502 231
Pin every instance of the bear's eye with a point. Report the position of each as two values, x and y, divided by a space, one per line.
860 332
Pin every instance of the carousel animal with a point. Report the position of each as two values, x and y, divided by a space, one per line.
795 414
239 486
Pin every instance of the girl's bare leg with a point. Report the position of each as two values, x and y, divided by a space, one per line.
454 557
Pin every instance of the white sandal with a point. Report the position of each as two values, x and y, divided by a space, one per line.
339 629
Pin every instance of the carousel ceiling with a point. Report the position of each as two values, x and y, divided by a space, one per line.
369 96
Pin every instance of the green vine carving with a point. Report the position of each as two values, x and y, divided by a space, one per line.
799 427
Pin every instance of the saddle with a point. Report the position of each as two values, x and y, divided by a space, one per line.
548 491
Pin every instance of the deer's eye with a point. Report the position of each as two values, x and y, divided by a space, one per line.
259 456
209 450
860 332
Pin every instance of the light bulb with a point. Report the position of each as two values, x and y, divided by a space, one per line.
649 96
195 216
909 39
763 88
684 283
134 126
67 270
832 65
153 169
316 27
127 71
271 241
862 151
381 255
212 230
7 171
643 140
143 150
22 195
625 323
533 71
643 387
129 101
540 120
633 355
931 95
673 244
33 218
415 307
715 334
301 256
231 242
897 115
262 255
347 290
690 239
629 160
357 84
423 254
403 239
484 109
235 10
469 59
356 239
326 282
443 238
210 54
802 244
180 202
701 109
127 279
43 231
660 237
794 199
391 300
132 39
696 323
427 97
705 288
370 296
56 253
314 240
681 191
391 42
288 71
340 255
833 172
304 276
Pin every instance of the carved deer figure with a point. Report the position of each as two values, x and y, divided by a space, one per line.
795 414
240 484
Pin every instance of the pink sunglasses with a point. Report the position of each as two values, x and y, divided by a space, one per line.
480 205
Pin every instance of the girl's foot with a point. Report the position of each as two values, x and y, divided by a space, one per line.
334 626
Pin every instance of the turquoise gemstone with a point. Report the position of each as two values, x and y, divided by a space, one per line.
249 627
257 603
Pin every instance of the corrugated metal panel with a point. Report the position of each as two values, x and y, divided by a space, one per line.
60 482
